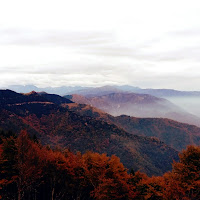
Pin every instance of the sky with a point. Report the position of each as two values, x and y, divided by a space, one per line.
150 44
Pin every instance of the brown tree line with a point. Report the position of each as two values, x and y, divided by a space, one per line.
30 171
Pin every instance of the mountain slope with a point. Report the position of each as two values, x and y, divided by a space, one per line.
175 134
137 105
57 125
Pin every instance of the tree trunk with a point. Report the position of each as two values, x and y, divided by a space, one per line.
19 189
52 193
19 195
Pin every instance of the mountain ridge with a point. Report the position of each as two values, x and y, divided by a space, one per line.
175 134
63 90
136 105
56 125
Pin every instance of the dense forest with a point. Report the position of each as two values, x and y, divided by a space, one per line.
30 171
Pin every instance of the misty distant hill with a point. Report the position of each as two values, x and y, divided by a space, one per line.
160 92
51 90
137 105
63 90
98 91
188 101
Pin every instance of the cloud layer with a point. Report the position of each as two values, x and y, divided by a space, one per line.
60 43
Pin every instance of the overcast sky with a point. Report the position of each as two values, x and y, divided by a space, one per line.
145 43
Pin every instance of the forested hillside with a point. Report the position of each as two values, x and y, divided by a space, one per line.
58 126
175 134
52 148
32 171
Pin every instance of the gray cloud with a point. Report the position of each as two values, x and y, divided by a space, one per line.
96 43
52 37
101 44
185 33
186 53
100 60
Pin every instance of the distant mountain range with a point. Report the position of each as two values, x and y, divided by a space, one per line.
160 92
49 118
63 90
181 105
51 90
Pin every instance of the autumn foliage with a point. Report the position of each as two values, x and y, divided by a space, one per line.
30 171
